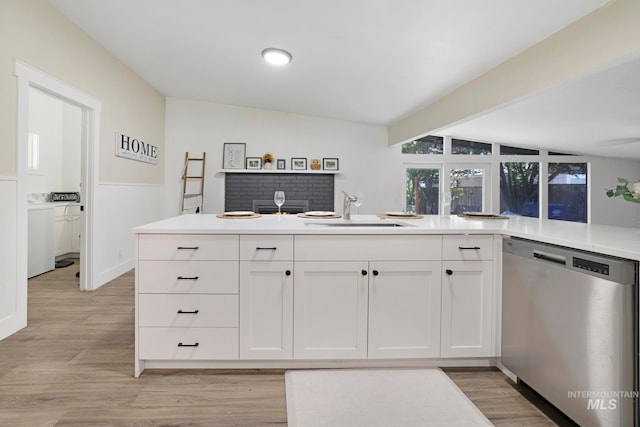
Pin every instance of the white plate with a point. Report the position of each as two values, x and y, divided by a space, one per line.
239 213
319 213
399 214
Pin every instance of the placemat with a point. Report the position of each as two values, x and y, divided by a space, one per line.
223 216
334 216
398 216
483 216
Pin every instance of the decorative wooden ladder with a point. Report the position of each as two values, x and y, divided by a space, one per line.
193 198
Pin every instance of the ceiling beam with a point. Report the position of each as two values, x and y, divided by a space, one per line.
608 36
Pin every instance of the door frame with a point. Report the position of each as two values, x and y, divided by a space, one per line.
91 108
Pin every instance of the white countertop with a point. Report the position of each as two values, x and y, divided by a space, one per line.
618 241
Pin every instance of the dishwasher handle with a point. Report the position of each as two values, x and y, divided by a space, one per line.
546 256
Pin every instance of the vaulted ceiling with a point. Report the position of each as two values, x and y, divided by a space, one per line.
370 61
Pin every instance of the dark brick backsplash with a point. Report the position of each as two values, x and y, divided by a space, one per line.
241 189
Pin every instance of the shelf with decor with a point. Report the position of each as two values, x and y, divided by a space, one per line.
298 171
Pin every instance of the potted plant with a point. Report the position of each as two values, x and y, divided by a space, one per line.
267 160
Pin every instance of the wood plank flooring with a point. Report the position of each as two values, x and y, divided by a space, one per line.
73 366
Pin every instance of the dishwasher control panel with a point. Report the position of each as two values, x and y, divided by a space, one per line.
596 267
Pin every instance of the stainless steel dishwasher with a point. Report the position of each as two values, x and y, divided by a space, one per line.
570 329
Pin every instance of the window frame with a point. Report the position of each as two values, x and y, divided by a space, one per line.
491 188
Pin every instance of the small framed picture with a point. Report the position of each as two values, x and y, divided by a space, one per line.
330 164
233 155
282 163
254 163
298 163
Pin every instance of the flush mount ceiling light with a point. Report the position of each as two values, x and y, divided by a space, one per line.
276 56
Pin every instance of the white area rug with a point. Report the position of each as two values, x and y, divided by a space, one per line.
377 397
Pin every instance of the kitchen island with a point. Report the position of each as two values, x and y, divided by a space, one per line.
283 291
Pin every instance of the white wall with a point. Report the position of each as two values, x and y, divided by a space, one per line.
613 211
367 163
58 125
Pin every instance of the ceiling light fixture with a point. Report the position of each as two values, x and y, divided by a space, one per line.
276 56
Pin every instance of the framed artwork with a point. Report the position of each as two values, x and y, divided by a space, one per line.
330 164
254 162
282 163
233 155
298 163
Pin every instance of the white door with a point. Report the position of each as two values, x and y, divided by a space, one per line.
404 309
266 310
330 310
467 309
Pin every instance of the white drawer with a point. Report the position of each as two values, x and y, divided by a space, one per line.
187 247
467 247
368 248
266 248
175 310
188 343
188 277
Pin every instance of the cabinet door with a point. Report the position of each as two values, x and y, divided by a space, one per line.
330 314
266 310
404 309
467 309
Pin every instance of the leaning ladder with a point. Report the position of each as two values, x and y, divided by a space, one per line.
193 184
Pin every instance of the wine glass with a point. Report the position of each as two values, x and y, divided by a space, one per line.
278 198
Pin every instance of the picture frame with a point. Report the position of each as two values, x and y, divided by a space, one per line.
330 163
281 164
298 163
253 163
233 155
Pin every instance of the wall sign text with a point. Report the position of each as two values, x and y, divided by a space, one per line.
135 149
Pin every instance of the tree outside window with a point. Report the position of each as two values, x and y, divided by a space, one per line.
422 191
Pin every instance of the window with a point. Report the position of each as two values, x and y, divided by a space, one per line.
33 151
461 146
422 190
568 191
429 144
519 188
507 150
466 186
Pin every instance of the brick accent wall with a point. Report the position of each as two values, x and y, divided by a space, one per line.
241 189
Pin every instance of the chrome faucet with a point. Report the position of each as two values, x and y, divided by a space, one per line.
346 206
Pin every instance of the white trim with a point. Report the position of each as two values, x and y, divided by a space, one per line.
8 178
31 77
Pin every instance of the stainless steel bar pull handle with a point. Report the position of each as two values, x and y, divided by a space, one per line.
545 256
188 248
188 311
471 248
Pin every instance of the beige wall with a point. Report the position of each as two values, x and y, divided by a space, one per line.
33 32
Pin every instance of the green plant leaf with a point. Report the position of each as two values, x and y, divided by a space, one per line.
630 198
623 181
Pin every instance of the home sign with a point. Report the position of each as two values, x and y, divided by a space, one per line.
135 149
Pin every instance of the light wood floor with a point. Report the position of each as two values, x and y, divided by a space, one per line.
73 366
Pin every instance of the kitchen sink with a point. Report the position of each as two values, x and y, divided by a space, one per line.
331 223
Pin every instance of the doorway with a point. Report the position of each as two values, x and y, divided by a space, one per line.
30 78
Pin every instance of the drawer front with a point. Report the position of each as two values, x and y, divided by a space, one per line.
187 247
368 248
173 310
266 248
467 247
188 343
188 277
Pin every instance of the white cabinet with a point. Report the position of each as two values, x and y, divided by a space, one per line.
367 296
266 297
467 297
187 302
330 310
41 246
404 309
